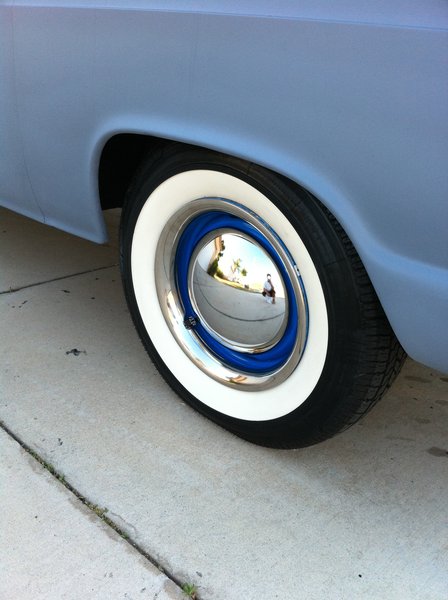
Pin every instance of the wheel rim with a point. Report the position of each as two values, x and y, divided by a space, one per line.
152 262
223 326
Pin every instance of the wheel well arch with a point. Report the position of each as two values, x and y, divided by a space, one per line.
123 153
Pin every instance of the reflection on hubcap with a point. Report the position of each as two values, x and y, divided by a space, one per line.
227 276
231 294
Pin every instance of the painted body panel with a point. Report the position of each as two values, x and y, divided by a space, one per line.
15 189
349 101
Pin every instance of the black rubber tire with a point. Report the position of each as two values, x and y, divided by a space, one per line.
363 355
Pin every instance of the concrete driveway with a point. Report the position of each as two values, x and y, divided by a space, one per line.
111 487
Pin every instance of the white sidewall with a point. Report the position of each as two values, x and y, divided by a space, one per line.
166 200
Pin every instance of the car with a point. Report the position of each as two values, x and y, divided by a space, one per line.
282 173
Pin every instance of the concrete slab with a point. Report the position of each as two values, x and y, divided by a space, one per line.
361 516
55 548
31 252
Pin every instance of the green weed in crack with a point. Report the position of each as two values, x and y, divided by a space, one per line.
189 589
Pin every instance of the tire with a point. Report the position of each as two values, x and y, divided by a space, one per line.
289 379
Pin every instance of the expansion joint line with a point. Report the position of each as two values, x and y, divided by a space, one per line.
24 287
100 512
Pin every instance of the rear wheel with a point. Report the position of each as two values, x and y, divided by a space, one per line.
200 233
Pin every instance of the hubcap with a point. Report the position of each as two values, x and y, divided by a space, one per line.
214 259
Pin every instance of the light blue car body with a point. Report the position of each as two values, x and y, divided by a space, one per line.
348 99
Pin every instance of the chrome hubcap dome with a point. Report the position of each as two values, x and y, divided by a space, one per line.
213 261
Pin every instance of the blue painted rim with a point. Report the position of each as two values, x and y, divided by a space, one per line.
263 363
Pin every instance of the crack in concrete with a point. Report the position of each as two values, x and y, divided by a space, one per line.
24 287
96 512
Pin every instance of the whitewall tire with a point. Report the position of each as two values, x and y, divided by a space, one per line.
280 372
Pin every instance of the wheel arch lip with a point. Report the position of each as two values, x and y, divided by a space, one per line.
292 165
413 293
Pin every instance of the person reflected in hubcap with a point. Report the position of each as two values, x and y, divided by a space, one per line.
269 290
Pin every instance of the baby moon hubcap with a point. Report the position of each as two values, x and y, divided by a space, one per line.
231 294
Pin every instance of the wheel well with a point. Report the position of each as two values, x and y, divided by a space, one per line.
119 160
121 156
